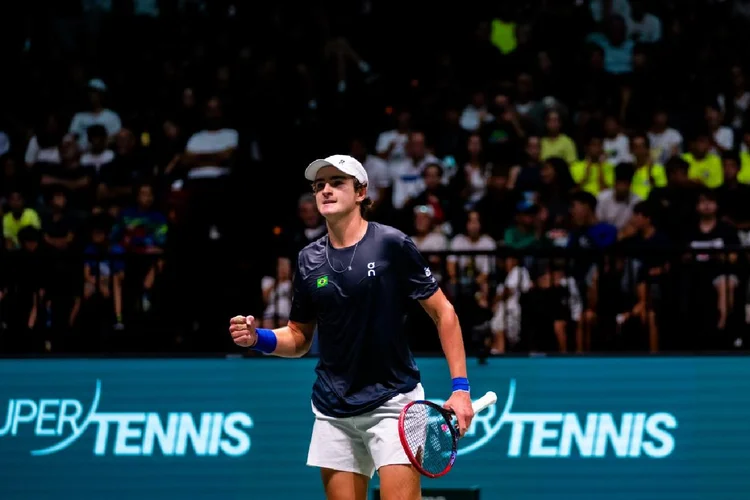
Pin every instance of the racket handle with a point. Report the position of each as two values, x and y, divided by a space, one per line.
487 400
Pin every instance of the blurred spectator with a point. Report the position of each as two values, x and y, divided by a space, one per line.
555 143
377 172
103 275
643 26
209 155
666 141
526 175
117 177
498 203
70 175
722 136
428 238
435 195
648 172
43 147
471 178
594 172
503 136
734 198
525 233
277 295
734 103
615 205
704 166
13 179
97 114
618 48
406 174
544 313
57 223
674 204
712 276
506 309
98 153
23 309
476 113
616 144
391 145
18 217
142 230
310 226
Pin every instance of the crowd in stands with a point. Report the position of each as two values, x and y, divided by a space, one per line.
576 172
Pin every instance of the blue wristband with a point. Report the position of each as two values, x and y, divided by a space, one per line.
266 342
461 384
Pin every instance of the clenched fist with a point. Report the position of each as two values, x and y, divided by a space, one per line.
242 330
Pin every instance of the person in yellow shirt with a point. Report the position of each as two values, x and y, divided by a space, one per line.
555 143
744 175
648 175
704 166
18 218
593 174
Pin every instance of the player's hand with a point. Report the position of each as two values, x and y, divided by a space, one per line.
242 330
460 404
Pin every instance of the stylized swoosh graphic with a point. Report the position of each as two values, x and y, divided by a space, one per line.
498 425
70 439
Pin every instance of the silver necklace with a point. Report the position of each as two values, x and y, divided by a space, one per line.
347 268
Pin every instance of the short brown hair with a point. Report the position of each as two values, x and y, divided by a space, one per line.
366 205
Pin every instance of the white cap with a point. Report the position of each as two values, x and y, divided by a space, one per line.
346 164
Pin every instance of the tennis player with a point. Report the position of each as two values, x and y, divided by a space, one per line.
354 283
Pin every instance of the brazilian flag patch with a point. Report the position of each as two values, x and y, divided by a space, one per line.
322 281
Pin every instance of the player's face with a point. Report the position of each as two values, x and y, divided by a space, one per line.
334 193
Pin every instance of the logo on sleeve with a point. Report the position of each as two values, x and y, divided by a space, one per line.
322 281
427 272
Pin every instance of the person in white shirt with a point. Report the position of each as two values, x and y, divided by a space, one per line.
96 115
723 136
643 27
208 156
616 144
43 147
277 295
666 142
406 174
428 239
475 114
391 144
98 154
615 205
471 267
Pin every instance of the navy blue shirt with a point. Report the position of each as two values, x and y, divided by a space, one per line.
365 358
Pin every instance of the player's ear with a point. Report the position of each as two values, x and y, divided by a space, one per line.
361 191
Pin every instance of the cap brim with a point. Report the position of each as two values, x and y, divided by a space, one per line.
312 169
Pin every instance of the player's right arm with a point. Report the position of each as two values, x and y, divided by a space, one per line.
291 341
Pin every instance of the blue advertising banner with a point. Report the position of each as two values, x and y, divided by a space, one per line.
563 428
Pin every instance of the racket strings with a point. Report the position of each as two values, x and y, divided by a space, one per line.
429 438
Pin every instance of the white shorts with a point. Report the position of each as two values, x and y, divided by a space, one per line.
361 444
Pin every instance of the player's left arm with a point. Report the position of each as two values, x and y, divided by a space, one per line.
449 330
423 287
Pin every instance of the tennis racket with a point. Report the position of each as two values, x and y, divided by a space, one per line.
429 434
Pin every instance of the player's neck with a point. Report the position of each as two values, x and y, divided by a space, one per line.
347 231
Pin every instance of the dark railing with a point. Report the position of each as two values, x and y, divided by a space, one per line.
553 300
